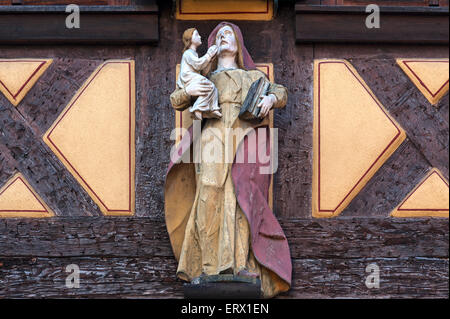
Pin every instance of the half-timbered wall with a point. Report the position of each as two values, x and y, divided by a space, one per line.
130 256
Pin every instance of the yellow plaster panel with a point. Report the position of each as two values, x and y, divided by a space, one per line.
18 199
224 10
95 137
429 75
429 198
353 136
17 76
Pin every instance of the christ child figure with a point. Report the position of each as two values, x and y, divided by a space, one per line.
206 104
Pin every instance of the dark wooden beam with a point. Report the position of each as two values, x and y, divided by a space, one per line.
131 257
98 24
154 277
308 238
402 25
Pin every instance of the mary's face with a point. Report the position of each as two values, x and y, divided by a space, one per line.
226 40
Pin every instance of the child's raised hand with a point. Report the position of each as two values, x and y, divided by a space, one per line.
212 51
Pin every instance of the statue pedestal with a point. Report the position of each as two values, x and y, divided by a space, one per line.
223 287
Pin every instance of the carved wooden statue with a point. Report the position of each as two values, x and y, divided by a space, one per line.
217 214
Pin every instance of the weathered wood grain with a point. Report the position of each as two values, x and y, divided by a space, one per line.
139 237
100 24
59 2
424 3
54 90
443 108
383 2
7 163
44 172
367 237
424 124
413 25
390 184
25 277
155 118
99 277
345 278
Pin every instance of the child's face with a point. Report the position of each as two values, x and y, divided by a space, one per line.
196 38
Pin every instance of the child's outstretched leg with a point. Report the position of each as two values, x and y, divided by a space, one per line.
216 114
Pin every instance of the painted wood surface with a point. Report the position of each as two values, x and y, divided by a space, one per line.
132 257
41 24
400 24
329 256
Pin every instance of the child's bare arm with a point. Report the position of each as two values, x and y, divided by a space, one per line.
212 51
200 63
207 68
